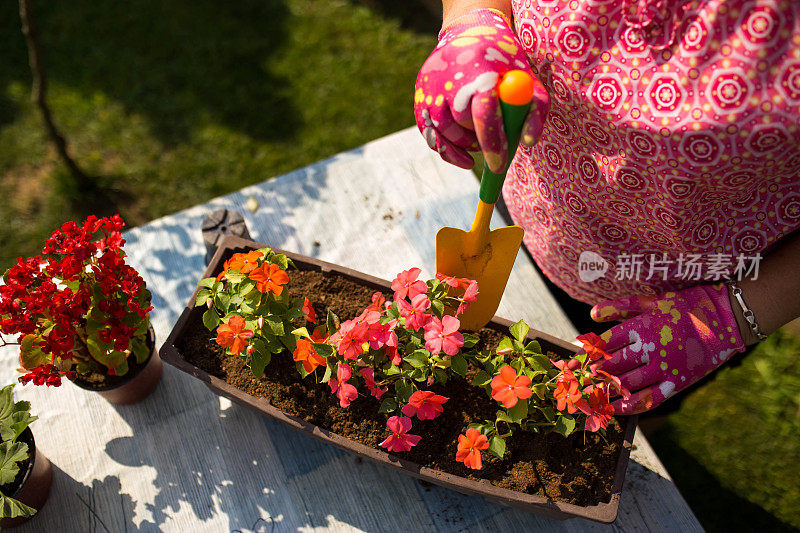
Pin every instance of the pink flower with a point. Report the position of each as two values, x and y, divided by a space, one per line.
442 335
452 281
377 302
346 392
470 295
414 312
609 380
352 336
383 335
399 440
407 284
369 378
425 404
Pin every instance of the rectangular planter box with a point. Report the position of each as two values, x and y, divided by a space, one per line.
602 512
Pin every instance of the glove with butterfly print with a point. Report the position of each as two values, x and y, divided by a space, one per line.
455 102
666 343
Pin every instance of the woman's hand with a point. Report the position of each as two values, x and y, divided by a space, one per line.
455 103
666 343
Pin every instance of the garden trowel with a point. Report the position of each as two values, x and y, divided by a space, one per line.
480 254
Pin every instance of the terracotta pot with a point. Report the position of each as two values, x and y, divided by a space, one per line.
137 384
601 512
35 484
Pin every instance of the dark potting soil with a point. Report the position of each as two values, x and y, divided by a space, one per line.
579 469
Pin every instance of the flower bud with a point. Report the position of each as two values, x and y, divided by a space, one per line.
209 303
250 349
261 322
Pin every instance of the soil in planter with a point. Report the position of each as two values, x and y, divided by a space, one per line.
579 469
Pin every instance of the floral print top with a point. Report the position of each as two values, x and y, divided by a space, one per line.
673 131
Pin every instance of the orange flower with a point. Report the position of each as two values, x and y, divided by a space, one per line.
567 393
308 310
269 278
508 388
245 263
225 266
469 448
306 354
233 335
594 346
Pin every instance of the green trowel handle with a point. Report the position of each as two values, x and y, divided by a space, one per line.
513 118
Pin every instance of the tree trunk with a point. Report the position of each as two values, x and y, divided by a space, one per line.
39 91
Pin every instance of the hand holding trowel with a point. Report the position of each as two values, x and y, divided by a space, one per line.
480 254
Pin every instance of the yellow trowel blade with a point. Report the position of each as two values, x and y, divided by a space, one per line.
459 253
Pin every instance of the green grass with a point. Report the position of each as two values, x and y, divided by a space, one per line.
170 104
733 446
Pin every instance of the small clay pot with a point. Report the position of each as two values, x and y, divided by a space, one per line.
134 386
34 487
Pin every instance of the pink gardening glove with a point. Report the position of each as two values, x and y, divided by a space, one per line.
455 103
667 342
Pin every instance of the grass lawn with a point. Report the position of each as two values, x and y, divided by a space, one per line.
170 104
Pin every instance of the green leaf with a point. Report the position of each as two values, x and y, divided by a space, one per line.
275 325
301 332
11 508
388 405
11 453
207 282
497 446
223 301
459 365
331 322
505 346
30 354
235 276
280 260
470 340
259 361
210 319
565 424
519 330
548 412
482 378
519 412
502 416
437 307
140 350
417 359
533 347
403 389
14 416
539 362
440 375
325 350
540 390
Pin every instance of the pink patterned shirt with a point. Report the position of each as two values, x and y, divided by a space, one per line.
673 131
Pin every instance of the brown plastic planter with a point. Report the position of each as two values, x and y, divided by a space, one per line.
35 485
137 384
602 512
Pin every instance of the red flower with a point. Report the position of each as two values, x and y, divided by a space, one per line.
233 335
469 447
597 408
425 404
346 392
508 388
399 440
245 263
407 284
269 278
593 345
369 379
308 310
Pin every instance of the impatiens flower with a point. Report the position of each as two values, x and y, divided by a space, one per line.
377 302
469 448
443 336
597 409
383 335
352 336
233 335
245 263
414 313
269 278
470 295
369 379
508 387
225 266
306 354
407 284
346 392
593 345
308 311
567 392
572 364
425 404
611 381
399 440
454 282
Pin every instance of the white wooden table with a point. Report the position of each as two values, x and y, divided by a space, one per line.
186 460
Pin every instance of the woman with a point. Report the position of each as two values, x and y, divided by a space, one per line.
670 157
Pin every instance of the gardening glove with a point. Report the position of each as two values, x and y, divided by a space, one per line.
667 342
455 102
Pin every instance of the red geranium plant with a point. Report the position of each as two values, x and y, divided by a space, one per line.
77 308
